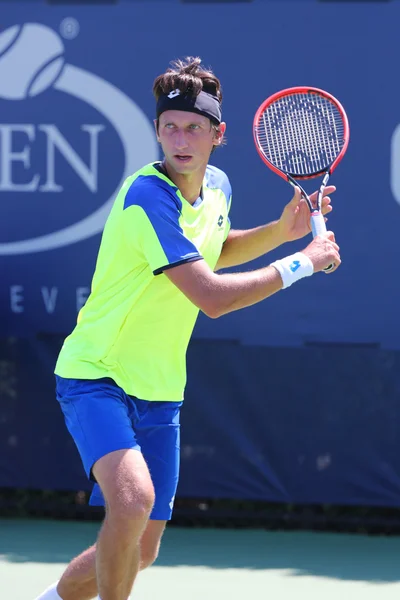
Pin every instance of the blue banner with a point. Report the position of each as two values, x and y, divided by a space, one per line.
76 117
312 425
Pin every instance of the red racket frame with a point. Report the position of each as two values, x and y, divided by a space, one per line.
290 92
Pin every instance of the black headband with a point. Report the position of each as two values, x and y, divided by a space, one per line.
204 104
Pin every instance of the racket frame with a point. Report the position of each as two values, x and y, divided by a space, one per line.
317 219
289 92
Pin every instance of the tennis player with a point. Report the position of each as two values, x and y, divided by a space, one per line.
121 374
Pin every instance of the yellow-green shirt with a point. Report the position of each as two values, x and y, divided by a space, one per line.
136 325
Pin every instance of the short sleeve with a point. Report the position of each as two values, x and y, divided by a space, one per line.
217 179
152 225
228 221
227 228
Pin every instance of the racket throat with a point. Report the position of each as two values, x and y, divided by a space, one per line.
295 184
304 194
323 185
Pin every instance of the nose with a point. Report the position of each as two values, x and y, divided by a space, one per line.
180 140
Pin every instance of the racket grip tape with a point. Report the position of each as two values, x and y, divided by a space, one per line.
318 227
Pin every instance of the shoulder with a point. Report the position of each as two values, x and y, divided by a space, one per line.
150 190
218 179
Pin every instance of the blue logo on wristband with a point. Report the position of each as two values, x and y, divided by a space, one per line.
294 266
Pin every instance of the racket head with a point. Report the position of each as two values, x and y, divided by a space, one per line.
302 132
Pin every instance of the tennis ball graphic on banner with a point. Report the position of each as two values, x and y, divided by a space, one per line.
33 63
31 60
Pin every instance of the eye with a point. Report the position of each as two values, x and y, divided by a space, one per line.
194 126
169 126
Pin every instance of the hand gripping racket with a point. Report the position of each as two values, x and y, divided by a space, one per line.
302 133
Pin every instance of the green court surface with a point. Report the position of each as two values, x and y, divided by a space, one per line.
198 564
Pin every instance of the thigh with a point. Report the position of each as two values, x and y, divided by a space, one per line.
125 482
158 433
97 417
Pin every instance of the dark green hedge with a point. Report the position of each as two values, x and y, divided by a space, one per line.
213 513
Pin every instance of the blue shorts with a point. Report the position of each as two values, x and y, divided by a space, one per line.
102 418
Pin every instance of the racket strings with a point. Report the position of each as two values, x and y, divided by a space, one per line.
301 133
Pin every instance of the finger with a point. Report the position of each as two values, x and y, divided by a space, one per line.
325 200
336 264
326 209
330 235
326 235
332 246
297 195
330 189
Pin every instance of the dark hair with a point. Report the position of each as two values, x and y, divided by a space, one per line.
187 75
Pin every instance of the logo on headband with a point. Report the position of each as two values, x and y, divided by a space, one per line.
174 93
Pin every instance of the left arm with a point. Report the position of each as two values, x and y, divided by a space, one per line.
243 246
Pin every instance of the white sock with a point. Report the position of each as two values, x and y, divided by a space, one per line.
50 593
98 598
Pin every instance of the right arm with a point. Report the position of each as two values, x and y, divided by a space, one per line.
218 294
151 226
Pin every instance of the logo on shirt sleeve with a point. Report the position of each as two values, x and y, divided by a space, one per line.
220 221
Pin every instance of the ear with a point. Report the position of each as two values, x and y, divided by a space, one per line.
156 128
219 134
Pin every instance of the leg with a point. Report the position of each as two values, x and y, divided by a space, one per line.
158 430
128 490
150 543
79 579
97 416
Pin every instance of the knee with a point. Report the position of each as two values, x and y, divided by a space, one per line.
148 556
131 506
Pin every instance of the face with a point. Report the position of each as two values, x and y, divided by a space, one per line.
187 139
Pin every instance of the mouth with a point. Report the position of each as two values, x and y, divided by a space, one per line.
183 158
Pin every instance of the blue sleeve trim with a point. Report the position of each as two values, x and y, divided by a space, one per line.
160 202
180 262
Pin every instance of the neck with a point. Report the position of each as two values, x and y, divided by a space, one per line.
189 184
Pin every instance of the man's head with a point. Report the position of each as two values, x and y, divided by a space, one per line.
189 123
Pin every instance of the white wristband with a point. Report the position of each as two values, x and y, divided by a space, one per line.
294 267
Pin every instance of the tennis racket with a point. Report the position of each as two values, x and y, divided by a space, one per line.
302 133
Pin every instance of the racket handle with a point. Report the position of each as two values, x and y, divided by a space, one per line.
318 227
